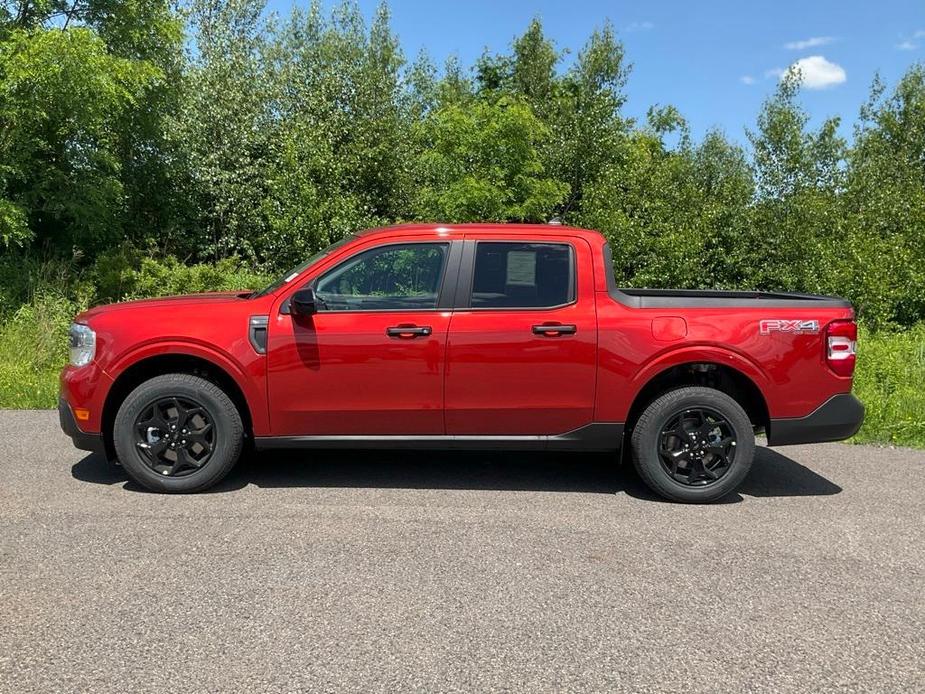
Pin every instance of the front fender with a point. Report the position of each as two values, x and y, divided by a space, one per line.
248 374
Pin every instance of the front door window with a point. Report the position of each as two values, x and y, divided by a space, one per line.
401 277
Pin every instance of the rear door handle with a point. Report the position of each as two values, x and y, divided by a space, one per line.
407 331
552 330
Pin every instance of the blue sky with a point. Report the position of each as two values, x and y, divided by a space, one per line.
715 61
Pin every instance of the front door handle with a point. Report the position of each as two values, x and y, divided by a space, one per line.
554 329
408 331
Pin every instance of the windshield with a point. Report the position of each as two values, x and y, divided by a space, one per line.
298 269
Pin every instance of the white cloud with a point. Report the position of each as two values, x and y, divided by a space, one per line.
910 44
775 72
818 73
812 42
747 79
640 26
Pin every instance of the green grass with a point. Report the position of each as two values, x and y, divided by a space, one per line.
890 378
890 381
38 300
33 349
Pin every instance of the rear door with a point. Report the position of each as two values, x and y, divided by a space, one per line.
522 342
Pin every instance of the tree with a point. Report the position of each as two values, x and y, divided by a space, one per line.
222 133
341 158
63 98
85 89
588 129
885 205
799 176
482 162
674 217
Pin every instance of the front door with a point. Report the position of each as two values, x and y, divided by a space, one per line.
371 360
522 343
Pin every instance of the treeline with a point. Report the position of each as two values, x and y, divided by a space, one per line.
131 129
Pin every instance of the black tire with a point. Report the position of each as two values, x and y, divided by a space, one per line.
681 410
209 403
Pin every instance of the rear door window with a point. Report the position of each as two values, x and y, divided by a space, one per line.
522 275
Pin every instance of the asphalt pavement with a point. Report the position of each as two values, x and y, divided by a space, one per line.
384 572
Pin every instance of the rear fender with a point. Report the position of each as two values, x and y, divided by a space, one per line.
697 354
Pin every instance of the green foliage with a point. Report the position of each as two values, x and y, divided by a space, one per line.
674 218
890 381
221 132
124 273
39 298
171 277
482 162
799 177
339 160
33 348
149 148
884 205
61 93
271 137
82 89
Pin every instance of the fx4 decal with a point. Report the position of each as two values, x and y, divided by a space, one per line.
783 325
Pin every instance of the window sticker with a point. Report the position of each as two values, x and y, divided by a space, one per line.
521 268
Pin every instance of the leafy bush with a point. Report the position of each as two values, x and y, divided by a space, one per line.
33 349
39 299
890 381
170 277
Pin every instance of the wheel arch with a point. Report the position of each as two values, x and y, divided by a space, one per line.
153 365
711 374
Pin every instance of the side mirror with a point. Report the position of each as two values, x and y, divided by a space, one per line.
303 302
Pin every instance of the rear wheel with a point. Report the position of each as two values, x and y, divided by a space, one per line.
178 433
693 445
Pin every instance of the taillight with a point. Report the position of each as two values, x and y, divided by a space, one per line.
841 346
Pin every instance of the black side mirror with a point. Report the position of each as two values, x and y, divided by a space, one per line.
303 302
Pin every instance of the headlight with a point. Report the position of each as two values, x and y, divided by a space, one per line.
82 343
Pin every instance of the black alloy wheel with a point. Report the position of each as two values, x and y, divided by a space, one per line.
178 433
694 444
175 435
697 446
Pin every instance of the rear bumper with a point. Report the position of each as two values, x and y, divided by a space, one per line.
81 439
837 418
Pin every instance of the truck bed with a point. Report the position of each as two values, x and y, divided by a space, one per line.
712 298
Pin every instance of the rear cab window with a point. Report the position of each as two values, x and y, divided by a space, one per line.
524 275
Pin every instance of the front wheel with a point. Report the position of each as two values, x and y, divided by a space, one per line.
693 444
178 433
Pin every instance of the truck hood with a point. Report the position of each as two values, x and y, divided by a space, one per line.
209 298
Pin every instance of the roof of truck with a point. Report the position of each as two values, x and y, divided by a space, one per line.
443 229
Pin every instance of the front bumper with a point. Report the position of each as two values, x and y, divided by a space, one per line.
82 440
837 418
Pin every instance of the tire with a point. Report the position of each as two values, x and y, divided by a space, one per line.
675 424
209 439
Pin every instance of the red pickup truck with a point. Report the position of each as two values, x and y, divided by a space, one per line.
478 336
